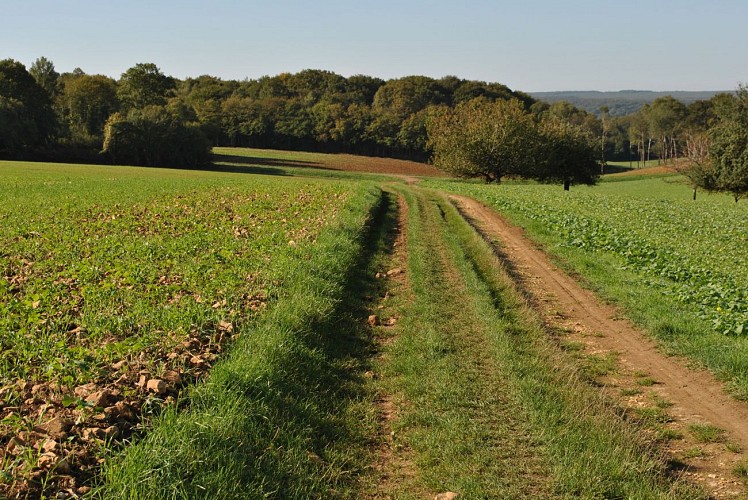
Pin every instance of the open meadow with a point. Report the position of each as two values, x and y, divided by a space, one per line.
286 326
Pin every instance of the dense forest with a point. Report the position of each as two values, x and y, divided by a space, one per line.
149 118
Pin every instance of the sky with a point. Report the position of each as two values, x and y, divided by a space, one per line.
528 45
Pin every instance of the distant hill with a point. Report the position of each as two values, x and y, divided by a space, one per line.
622 102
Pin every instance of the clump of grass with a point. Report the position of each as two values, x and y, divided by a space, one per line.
630 391
661 402
653 415
646 382
706 433
733 447
741 470
572 346
595 366
696 452
668 434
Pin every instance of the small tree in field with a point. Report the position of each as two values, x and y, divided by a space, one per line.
497 139
566 154
485 139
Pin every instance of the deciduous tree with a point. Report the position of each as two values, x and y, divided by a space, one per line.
144 85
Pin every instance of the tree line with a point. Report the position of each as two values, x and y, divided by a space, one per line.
148 118
139 117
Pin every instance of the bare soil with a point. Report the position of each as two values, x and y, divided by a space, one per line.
645 380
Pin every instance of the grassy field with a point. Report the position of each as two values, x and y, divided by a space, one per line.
679 267
249 332
112 275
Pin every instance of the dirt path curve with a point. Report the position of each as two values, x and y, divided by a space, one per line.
697 397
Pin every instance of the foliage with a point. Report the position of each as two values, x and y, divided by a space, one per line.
27 106
43 72
479 138
155 136
718 158
493 140
144 85
88 101
729 150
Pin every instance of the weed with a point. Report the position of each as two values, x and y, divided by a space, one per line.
630 392
733 447
741 470
706 433
668 434
695 452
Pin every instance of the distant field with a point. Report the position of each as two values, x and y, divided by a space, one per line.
112 274
269 159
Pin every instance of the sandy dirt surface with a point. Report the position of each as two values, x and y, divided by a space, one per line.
694 396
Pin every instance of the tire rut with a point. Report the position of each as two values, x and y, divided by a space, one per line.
697 397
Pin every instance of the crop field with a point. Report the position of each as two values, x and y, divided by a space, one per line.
301 325
267 160
693 254
114 278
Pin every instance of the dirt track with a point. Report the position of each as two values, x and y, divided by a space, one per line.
696 396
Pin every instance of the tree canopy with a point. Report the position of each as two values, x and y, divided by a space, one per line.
497 139
26 108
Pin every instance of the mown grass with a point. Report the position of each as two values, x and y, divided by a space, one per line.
284 414
493 408
684 285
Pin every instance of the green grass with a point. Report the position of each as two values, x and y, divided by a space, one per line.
117 264
135 261
679 268
101 263
284 413
706 433
493 407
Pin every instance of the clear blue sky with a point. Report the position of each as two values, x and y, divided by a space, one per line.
530 45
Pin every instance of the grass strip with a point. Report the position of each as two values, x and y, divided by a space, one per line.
283 414
493 405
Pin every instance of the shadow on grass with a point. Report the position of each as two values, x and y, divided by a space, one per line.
616 169
327 377
284 415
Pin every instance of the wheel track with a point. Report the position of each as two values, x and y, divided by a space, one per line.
696 395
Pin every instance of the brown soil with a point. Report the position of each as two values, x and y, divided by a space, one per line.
340 161
660 170
52 438
649 376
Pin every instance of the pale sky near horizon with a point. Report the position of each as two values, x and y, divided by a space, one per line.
529 45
